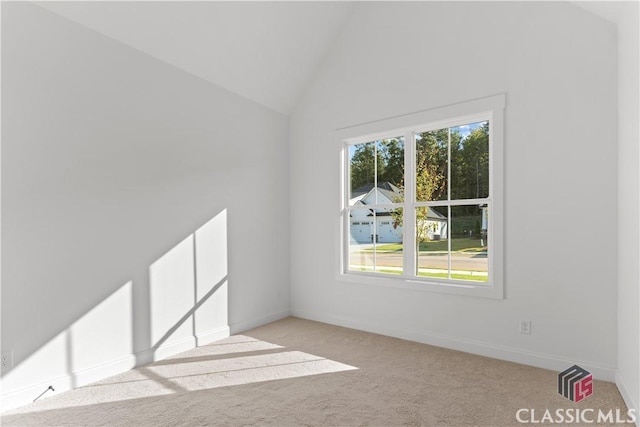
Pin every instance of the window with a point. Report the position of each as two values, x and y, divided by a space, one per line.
430 185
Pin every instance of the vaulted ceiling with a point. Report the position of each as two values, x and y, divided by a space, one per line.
265 51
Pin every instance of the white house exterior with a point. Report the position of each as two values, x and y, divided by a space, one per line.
369 225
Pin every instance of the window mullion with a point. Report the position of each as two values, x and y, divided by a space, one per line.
409 211
375 171
374 231
346 220
449 200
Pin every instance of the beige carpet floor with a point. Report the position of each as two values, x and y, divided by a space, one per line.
298 372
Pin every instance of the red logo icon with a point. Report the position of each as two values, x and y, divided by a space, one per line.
575 383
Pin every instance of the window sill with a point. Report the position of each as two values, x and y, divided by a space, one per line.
484 290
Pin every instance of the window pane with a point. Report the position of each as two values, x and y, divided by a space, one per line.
376 241
431 238
391 174
470 161
469 247
389 238
431 165
362 170
361 240
378 163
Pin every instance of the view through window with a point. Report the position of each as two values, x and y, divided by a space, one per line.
418 202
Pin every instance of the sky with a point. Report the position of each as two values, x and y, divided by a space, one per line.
465 130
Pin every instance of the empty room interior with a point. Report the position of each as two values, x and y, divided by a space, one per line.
320 213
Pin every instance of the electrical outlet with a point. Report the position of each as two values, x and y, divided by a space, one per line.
6 360
525 327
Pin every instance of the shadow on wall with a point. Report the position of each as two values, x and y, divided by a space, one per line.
186 301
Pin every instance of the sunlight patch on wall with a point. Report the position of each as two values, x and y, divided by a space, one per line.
188 286
103 333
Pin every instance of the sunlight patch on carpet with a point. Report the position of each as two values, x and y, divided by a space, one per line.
221 364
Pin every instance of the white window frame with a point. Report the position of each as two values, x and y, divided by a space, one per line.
491 109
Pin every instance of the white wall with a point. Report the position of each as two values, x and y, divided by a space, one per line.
144 209
628 375
560 173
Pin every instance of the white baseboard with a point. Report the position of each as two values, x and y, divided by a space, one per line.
629 400
213 335
26 395
68 382
239 327
184 344
510 354
166 350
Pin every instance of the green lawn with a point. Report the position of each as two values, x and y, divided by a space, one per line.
458 276
462 244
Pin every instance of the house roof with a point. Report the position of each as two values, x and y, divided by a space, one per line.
388 189
437 216
431 214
